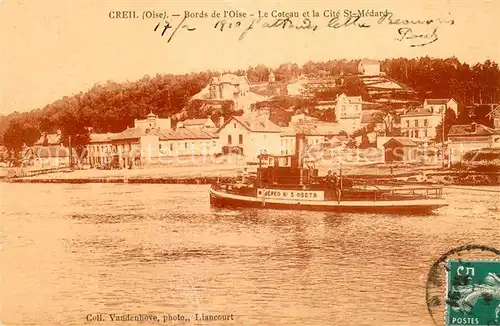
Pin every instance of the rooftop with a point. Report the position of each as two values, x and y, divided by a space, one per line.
402 140
257 124
436 101
369 62
230 79
100 138
52 139
469 130
420 111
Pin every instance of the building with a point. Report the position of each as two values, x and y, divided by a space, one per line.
47 157
494 116
420 124
348 112
271 78
319 135
463 138
196 123
49 139
100 148
400 149
133 145
250 136
296 88
229 88
372 118
189 141
152 121
441 105
369 67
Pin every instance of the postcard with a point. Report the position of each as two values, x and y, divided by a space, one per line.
250 162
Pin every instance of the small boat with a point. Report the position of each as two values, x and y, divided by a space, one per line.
287 184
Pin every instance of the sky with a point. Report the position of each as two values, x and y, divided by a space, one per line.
50 49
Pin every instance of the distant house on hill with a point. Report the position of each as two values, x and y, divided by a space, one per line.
369 67
420 123
230 87
348 112
438 105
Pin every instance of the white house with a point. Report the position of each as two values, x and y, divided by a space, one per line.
188 141
250 135
369 67
420 123
438 105
348 112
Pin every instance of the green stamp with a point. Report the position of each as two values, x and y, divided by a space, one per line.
473 293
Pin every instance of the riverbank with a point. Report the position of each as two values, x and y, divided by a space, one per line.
213 173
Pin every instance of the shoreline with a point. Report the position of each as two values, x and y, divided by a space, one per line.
444 178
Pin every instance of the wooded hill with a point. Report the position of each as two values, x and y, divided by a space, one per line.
111 107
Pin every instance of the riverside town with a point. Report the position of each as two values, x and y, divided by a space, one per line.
370 117
259 171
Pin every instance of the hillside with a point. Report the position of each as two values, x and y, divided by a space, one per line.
111 107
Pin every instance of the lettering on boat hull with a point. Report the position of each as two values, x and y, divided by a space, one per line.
291 194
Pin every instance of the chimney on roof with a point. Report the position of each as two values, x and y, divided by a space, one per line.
473 127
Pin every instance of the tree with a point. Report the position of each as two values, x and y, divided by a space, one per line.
449 120
13 139
386 115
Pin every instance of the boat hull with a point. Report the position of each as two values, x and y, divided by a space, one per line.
412 206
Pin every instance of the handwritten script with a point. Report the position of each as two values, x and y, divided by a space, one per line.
415 33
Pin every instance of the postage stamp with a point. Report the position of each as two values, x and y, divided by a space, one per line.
473 292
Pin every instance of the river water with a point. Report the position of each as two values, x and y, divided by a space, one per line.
73 250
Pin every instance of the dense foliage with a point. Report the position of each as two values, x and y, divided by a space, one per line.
111 107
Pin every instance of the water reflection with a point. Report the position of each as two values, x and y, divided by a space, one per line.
78 249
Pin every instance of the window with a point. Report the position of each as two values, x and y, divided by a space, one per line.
171 146
186 145
240 139
234 125
214 143
425 122
425 132
416 123
229 140
411 134
416 133
343 108
407 123
159 146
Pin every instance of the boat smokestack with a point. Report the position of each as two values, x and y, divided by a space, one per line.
299 150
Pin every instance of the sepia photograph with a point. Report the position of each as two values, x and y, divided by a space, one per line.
250 163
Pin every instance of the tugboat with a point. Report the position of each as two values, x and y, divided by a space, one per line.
287 184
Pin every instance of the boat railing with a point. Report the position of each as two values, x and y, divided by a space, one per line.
425 192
